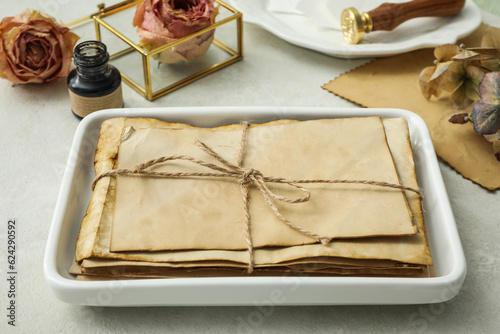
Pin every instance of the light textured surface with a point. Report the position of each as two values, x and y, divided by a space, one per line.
37 128
489 6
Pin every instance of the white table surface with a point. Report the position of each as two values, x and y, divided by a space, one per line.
37 127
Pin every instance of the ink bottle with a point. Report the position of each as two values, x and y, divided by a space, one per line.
94 84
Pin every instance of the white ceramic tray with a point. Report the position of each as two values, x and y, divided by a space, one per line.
75 192
412 35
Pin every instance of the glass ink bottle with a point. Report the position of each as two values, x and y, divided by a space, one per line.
94 84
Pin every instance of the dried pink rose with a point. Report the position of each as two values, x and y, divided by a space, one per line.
34 48
161 22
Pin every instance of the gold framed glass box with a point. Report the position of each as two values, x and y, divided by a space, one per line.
137 64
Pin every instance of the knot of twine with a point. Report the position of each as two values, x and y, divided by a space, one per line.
245 178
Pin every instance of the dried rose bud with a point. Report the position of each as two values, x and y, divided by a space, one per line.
161 22
34 48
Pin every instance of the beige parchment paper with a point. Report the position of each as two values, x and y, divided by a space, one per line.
161 214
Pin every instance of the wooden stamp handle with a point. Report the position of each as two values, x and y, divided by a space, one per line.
390 15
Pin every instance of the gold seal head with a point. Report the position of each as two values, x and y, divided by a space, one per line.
354 25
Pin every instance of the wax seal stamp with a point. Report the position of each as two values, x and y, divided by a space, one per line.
388 16
355 25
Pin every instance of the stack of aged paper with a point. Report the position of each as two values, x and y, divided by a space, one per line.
184 216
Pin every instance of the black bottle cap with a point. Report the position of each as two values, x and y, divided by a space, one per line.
90 53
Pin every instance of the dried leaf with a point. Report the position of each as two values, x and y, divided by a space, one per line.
429 87
491 64
459 99
489 88
491 38
486 118
486 115
491 51
445 52
487 57
440 69
463 81
468 54
474 76
455 76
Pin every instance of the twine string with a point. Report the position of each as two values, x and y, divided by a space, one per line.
245 177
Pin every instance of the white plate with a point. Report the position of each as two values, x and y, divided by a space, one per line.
411 35
75 193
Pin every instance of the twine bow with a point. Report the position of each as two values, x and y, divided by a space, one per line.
245 177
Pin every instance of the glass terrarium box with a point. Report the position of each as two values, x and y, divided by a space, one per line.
145 69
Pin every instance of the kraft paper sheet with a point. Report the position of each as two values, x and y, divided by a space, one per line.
393 83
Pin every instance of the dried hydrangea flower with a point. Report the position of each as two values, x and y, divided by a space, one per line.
430 77
462 80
